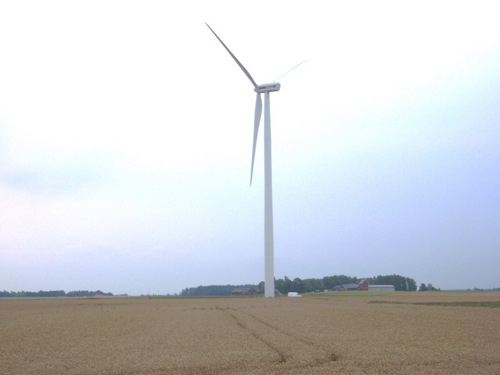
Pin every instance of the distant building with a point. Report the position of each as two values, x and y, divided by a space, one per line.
243 292
352 287
381 288
363 285
346 287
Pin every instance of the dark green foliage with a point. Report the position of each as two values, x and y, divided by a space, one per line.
55 293
283 285
214 290
86 293
425 288
297 285
261 286
330 281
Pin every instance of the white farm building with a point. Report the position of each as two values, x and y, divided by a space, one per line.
381 288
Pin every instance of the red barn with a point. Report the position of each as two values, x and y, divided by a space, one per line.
363 285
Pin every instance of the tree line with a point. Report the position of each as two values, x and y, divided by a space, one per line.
55 293
285 285
427 288
214 290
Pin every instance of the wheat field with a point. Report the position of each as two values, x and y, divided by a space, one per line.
412 333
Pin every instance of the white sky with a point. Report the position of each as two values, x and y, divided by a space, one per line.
126 130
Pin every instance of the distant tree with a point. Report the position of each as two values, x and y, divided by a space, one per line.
312 285
297 285
328 282
307 285
283 285
431 287
343 279
412 285
278 285
261 287
213 290
287 284
422 288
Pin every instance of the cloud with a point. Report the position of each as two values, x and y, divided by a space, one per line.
51 181
50 175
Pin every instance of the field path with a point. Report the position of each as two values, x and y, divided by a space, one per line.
291 349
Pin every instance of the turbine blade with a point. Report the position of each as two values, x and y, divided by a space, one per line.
289 70
258 112
235 59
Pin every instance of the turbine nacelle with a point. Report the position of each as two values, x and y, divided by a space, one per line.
268 87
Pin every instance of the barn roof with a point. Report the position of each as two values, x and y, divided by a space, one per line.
351 286
385 286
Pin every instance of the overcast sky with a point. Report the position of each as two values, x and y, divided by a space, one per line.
126 133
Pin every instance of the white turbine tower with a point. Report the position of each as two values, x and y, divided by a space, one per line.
268 192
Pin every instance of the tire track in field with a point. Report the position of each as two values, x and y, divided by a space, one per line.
280 354
290 349
332 356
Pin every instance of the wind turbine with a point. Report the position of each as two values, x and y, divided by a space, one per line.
268 190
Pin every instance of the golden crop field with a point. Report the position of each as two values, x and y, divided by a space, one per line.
412 333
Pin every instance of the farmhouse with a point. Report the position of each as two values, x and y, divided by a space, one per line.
363 285
243 292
